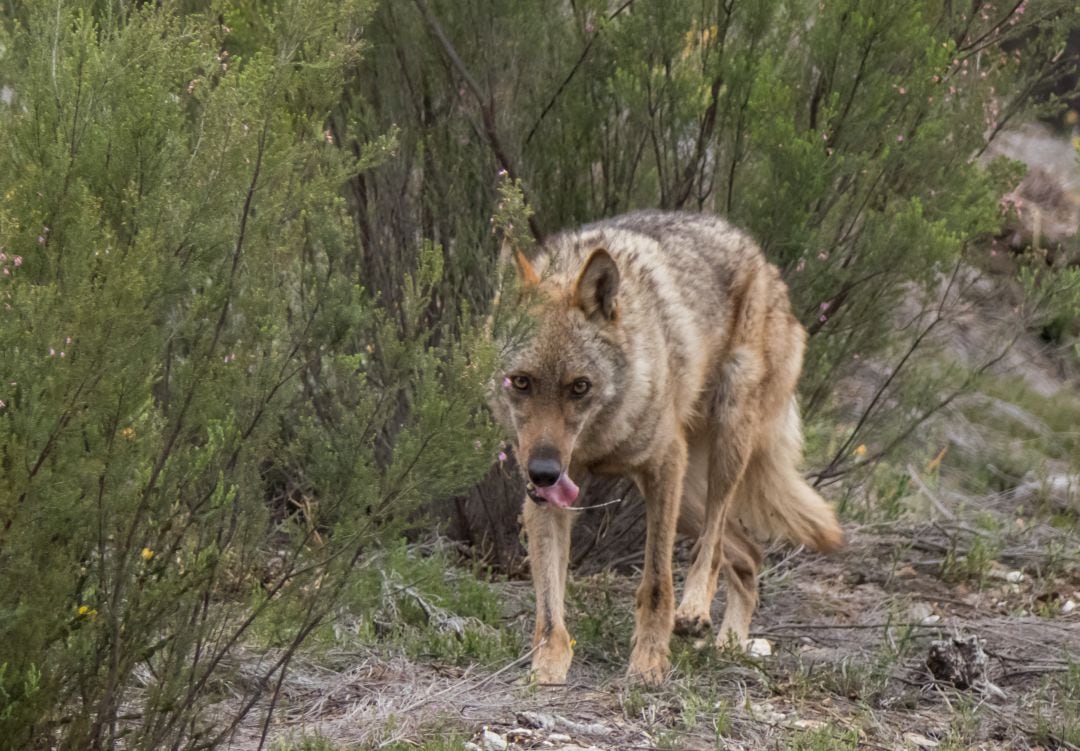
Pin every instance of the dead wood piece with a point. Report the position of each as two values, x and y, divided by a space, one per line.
962 662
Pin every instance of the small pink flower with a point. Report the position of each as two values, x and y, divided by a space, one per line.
17 260
900 138
52 352
502 454
67 340
3 256
902 90
506 382
823 319
824 306
823 256
41 239
2 404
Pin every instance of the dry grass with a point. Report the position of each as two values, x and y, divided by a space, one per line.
850 635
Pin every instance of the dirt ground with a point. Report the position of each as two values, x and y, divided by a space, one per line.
849 635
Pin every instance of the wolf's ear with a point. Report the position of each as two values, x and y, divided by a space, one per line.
597 286
528 272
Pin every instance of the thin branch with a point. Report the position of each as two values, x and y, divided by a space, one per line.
485 101
571 74
830 470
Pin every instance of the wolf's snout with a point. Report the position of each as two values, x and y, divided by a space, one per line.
544 471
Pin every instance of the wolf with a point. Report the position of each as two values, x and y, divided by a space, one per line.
663 349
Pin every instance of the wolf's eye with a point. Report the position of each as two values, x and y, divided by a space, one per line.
580 387
520 382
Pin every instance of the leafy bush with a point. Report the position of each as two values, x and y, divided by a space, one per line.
844 135
207 414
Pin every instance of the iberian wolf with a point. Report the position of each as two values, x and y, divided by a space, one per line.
665 350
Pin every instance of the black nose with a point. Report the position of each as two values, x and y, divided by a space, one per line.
544 472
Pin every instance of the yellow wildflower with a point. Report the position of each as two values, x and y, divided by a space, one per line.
860 450
147 554
127 433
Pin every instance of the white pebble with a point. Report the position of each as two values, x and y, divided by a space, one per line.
759 648
493 741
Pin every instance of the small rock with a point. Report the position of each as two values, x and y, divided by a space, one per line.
920 741
538 720
1067 607
766 712
492 741
919 612
1014 577
759 648
807 724
559 738
470 746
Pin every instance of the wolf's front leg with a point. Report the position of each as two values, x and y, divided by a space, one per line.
661 484
548 530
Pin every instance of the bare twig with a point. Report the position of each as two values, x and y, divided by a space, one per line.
485 101
569 76
470 683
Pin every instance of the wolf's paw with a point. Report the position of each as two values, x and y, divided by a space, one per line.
550 675
694 625
648 666
552 660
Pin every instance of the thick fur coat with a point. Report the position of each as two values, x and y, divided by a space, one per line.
664 350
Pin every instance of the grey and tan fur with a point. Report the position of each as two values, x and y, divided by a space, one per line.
664 350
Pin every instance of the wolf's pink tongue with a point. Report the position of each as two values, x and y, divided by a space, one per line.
563 493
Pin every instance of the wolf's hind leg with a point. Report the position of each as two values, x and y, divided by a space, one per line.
548 531
731 442
742 560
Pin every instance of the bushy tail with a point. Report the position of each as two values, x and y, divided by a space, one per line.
773 498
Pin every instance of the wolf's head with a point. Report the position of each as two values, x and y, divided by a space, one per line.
565 374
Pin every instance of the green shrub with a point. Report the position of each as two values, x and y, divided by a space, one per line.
844 135
208 415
